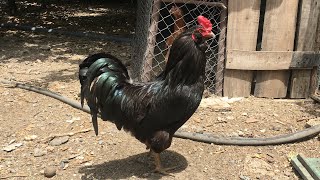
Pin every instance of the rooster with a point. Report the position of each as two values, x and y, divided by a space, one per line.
152 112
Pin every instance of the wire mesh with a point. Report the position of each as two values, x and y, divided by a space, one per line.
166 20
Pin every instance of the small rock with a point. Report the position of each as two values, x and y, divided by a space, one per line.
251 120
275 115
39 152
64 165
12 147
30 137
242 177
12 171
100 142
312 122
263 130
49 172
244 114
123 54
80 157
59 140
12 141
240 133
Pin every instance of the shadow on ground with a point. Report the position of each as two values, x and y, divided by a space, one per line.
139 165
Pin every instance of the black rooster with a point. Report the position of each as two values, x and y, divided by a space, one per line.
151 111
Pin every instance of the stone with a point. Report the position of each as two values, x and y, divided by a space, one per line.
59 140
49 172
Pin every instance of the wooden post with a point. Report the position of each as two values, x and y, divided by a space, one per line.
242 31
147 66
278 35
305 40
140 39
221 51
314 84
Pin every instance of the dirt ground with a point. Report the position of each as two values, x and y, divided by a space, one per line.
29 120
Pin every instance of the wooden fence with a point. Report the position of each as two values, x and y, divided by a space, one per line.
286 65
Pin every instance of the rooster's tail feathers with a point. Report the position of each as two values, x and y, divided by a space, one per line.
101 80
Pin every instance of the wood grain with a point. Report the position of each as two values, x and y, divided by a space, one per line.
305 41
271 60
243 23
278 35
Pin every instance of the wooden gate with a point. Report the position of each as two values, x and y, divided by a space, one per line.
286 66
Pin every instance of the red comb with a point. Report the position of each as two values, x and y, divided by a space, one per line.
205 23
206 27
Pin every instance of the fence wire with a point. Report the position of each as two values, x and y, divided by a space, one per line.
160 21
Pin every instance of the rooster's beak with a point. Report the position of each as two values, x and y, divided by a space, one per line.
210 35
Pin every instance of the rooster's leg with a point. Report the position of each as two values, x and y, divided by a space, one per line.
159 168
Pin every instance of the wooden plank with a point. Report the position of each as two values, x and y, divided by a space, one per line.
305 59
307 25
301 169
278 35
311 166
300 80
221 51
271 84
314 83
240 81
271 60
305 40
317 43
243 23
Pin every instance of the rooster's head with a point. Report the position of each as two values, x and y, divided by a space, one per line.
205 28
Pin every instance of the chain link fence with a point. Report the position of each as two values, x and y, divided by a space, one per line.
160 21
